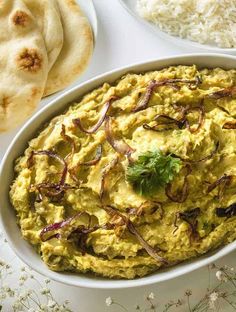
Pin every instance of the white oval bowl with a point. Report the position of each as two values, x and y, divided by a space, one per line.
130 6
7 215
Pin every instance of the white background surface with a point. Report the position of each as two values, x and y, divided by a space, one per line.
121 41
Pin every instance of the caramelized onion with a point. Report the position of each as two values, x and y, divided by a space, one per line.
227 92
68 139
222 183
119 145
57 226
149 249
183 194
229 125
80 230
51 189
208 156
201 111
190 218
165 122
140 211
104 111
143 103
97 158
93 162
30 162
105 172
190 161
226 212
131 228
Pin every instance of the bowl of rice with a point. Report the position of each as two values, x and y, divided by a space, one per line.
207 25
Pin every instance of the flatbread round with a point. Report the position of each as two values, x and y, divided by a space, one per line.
23 64
77 47
47 15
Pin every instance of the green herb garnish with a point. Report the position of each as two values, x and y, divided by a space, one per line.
152 171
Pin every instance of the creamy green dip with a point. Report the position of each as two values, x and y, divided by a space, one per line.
176 228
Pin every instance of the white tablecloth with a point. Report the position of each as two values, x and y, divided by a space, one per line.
121 41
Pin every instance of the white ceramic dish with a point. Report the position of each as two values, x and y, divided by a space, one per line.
7 215
130 6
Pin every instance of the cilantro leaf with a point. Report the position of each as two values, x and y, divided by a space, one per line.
152 171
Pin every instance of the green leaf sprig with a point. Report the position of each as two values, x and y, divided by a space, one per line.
152 171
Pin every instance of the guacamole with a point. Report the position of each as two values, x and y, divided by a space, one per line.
135 176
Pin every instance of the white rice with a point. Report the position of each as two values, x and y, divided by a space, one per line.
204 21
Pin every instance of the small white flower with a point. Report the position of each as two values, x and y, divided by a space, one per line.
43 308
17 306
151 296
2 262
3 296
212 300
51 304
109 301
221 276
23 277
45 291
214 296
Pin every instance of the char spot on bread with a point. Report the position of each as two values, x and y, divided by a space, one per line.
20 18
4 103
29 60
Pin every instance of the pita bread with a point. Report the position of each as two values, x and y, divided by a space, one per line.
77 47
23 64
47 15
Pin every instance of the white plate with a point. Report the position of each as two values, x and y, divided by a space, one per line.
7 215
130 6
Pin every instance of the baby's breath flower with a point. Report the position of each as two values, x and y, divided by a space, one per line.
212 300
151 296
43 308
109 301
23 277
221 276
51 304
45 291
214 296
17 306
2 262
3 296
188 293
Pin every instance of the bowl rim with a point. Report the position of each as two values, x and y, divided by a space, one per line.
45 113
187 43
